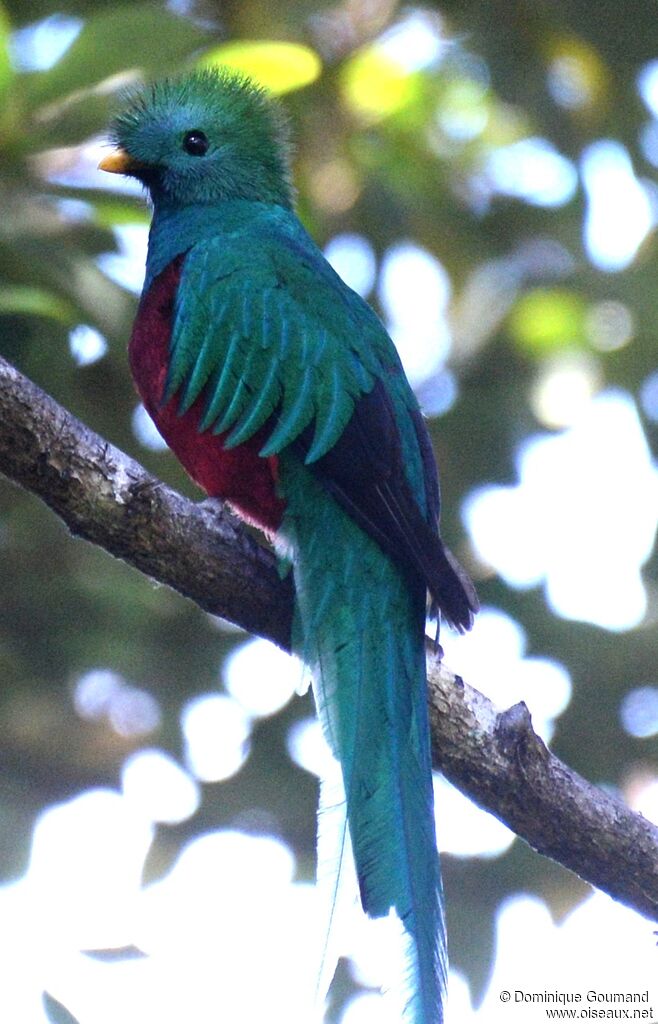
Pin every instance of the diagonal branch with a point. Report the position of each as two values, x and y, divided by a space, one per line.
499 761
201 551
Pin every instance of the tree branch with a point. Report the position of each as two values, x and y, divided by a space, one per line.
197 548
201 551
499 761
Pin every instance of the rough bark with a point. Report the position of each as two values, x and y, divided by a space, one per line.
497 759
201 551
197 548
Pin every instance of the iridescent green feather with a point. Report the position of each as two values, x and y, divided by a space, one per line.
261 409
269 340
225 382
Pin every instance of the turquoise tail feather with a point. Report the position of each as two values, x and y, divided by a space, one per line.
360 626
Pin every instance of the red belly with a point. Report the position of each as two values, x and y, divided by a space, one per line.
238 475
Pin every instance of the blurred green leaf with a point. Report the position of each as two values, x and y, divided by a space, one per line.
278 66
116 42
36 302
110 212
545 320
6 71
375 85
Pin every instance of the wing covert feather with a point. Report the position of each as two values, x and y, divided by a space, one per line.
266 333
263 335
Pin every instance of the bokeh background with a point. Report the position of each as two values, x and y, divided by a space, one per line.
485 174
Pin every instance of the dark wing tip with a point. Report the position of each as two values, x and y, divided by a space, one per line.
453 592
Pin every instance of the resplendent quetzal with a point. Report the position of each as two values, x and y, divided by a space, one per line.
280 391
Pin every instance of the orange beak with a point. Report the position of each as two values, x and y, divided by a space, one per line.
119 162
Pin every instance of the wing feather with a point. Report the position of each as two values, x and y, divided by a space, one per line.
272 339
206 362
238 404
262 408
268 340
332 417
223 385
297 410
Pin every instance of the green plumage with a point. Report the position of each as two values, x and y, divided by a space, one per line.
361 629
268 338
287 335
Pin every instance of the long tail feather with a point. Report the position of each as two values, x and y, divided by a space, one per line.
366 651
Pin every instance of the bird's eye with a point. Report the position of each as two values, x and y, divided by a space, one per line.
195 142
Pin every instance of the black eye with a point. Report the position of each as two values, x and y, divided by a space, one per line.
195 142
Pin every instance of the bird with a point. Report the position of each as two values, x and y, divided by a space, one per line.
280 392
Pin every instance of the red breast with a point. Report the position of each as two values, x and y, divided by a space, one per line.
238 475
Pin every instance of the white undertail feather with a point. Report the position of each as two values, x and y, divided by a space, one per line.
336 879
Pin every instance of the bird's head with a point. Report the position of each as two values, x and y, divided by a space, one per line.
203 138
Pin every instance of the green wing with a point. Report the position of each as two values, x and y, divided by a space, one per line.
265 332
265 329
